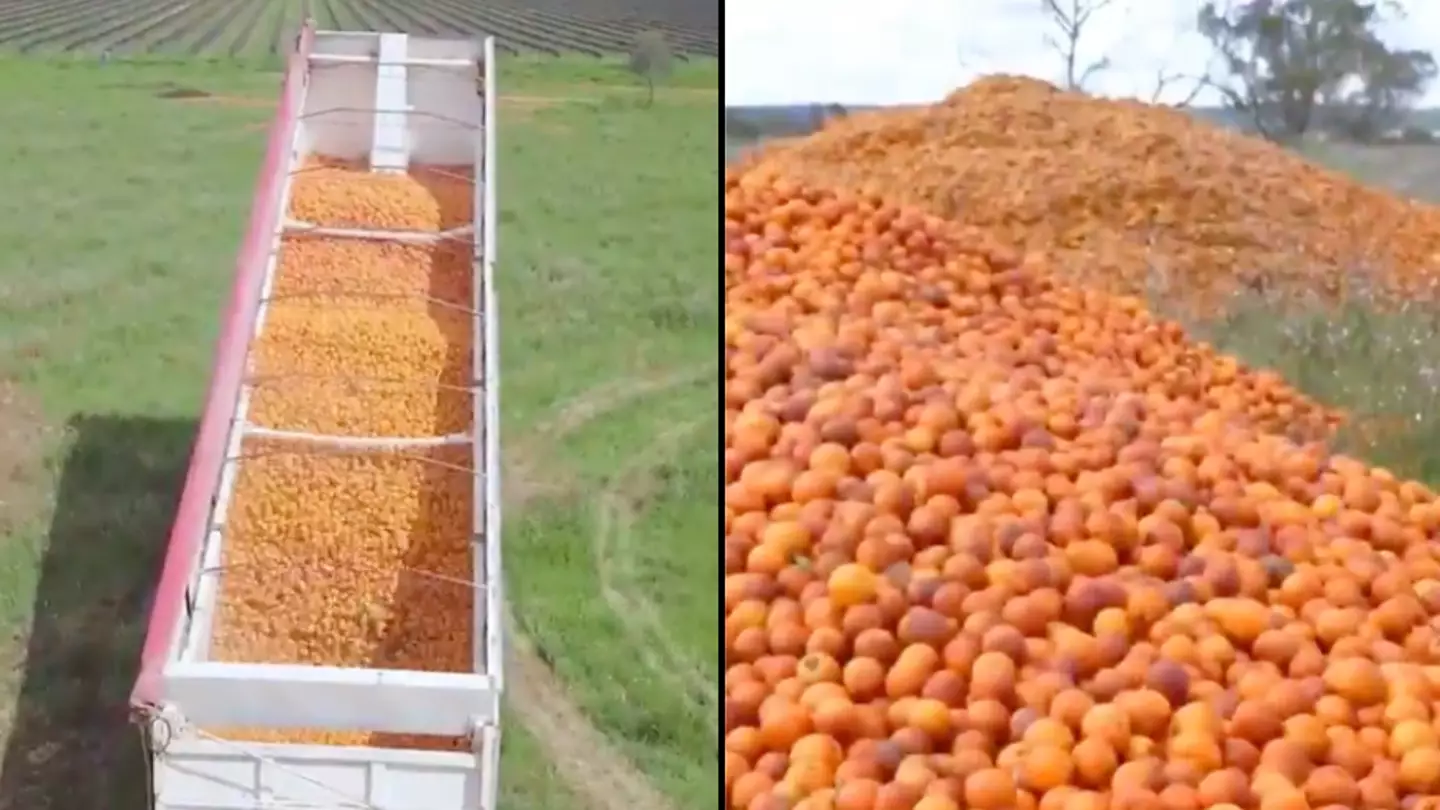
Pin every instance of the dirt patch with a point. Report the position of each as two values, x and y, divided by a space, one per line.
193 95
537 101
523 108
693 95
249 102
24 434
526 480
610 396
181 93
591 93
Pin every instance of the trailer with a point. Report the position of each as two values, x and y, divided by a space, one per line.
224 731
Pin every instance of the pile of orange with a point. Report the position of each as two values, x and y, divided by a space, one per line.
1128 197
997 542
354 557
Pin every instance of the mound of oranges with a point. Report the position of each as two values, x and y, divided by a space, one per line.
994 542
1128 197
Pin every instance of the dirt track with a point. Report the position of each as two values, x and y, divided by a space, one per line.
598 774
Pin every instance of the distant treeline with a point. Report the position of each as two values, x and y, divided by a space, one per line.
780 121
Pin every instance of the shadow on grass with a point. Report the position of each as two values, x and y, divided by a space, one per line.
71 746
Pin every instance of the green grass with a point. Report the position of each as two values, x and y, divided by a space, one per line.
665 709
535 73
606 246
118 254
1371 358
1410 170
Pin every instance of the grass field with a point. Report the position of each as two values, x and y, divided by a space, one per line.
118 253
1412 170
259 27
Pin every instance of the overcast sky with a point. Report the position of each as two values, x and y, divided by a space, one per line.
909 51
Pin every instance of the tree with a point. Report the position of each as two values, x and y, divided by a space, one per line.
651 59
1385 85
738 126
1285 63
817 117
820 113
1070 18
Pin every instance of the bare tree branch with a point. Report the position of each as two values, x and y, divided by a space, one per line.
1191 83
1070 18
1164 80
